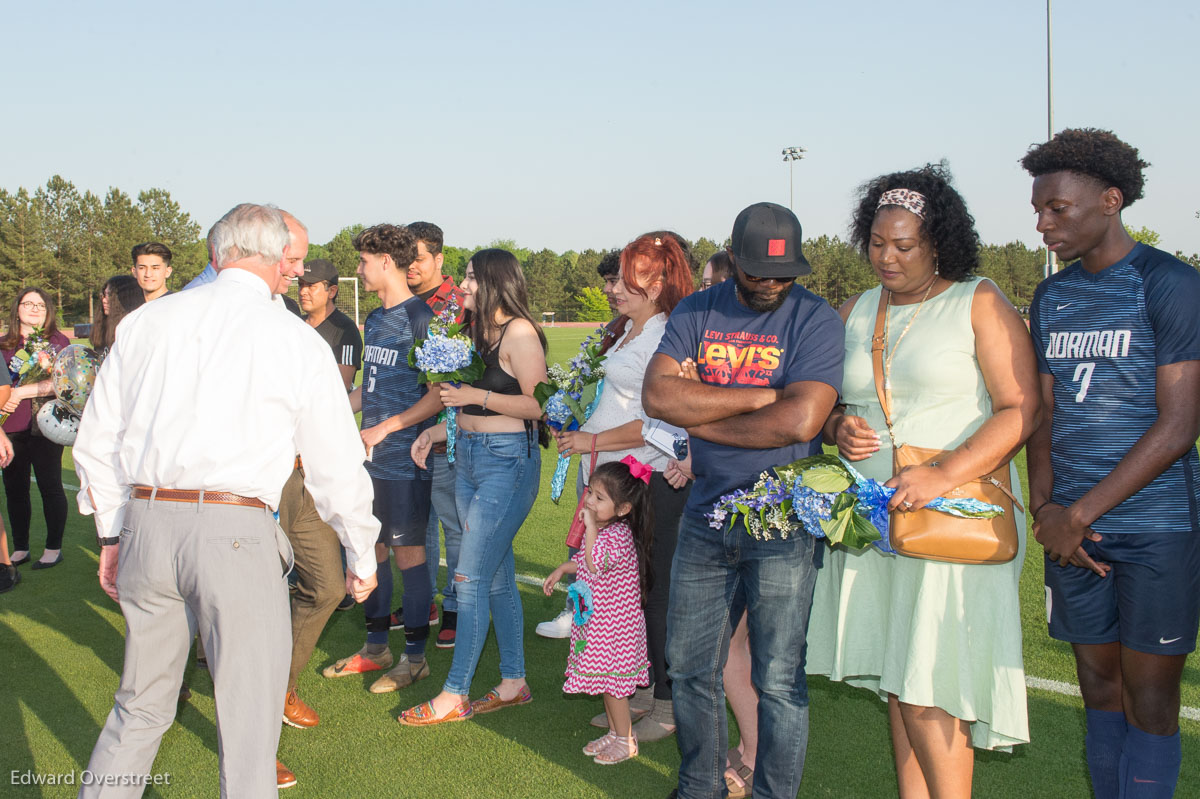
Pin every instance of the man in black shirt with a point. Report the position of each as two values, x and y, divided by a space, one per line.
318 290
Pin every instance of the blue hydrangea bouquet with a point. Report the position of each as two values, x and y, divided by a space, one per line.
827 497
447 355
570 396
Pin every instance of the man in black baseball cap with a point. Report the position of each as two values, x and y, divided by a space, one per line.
766 250
751 368
318 293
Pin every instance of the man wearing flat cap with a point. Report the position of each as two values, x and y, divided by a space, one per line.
751 368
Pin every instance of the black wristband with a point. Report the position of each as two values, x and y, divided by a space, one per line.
1033 514
109 541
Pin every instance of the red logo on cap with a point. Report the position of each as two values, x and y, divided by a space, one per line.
776 247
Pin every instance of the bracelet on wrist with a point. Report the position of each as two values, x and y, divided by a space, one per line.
108 541
1033 514
486 397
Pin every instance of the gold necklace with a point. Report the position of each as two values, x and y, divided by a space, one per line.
887 362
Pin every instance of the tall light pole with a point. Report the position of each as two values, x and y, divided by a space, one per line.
792 155
1051 261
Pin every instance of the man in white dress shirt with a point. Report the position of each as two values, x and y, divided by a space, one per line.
182 475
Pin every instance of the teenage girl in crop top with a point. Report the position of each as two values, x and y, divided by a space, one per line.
497 468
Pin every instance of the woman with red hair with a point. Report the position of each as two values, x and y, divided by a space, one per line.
655 275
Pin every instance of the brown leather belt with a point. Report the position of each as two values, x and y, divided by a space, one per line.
182 495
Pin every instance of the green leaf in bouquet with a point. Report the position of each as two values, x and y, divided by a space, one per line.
847 526
789 472
588 394
840 518
577 410
826 479
543 392
473 371
860 531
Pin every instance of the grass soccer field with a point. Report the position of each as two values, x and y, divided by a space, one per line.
61 651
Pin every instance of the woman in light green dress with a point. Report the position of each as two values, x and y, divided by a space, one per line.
940 642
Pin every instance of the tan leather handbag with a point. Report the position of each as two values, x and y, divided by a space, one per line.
933 535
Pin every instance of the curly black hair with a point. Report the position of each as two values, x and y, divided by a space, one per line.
610 264
947 222
384 239
429 233
1096 153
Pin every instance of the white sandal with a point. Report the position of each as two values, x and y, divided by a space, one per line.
618 749
593 748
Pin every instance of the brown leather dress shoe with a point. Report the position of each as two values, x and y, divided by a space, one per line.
284 778
297 714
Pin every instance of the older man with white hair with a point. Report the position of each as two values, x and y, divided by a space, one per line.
182 475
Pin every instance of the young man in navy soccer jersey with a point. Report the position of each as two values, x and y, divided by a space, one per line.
395 409
1113 469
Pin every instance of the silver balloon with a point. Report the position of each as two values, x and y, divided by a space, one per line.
74 376
58 423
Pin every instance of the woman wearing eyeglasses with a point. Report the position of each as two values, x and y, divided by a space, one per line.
32 309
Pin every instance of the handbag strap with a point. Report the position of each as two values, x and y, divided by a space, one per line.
592 467
877 346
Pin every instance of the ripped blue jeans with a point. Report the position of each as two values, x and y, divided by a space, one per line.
498 476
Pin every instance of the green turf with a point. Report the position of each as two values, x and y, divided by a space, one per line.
61 651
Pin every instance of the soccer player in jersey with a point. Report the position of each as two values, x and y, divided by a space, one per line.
395 409
1114 477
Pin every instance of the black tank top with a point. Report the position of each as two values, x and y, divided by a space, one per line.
494 378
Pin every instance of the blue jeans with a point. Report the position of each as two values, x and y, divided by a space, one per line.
714 573
445 510
498 475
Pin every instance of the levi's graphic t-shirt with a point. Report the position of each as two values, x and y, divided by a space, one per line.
733 346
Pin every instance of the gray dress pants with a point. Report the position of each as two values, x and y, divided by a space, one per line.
218 570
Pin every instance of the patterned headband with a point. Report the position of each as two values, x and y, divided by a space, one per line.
905 198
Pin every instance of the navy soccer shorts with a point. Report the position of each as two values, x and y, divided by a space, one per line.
402 508
1149 602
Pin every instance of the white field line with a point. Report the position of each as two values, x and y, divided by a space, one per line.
1036 683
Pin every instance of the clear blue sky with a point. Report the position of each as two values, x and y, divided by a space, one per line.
583 124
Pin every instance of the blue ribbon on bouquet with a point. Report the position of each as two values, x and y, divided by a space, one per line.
559 481
451 427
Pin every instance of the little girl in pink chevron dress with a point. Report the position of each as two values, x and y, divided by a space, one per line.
608 639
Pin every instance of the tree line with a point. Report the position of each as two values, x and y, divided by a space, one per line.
69 243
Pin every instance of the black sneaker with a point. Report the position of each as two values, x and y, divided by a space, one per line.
347 602
9 577
449 631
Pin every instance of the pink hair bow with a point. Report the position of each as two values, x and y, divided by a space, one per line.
639 470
